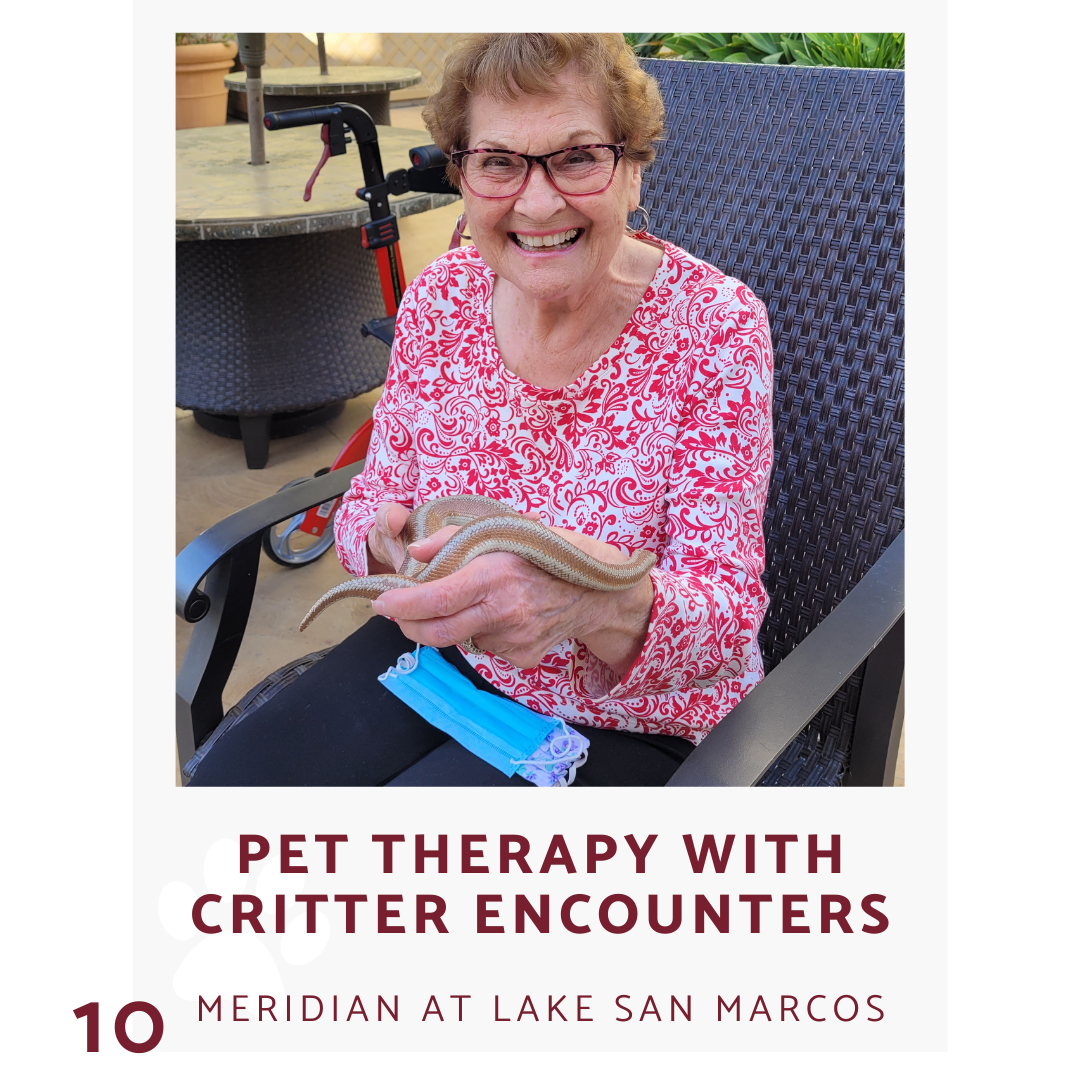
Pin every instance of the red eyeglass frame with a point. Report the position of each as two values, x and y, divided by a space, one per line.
619 150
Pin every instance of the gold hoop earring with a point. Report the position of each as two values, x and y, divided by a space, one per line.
644 228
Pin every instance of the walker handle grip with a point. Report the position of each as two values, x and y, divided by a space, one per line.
427 157
290 118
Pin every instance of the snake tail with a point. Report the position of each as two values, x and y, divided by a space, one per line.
369 588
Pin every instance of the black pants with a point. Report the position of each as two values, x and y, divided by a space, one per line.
337 726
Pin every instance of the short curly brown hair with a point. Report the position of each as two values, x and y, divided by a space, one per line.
506 65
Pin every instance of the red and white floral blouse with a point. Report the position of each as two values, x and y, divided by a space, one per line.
665 443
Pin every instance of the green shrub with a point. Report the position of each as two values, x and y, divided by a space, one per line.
802 50
647 44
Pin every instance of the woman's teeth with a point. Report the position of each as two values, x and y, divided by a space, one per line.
563 239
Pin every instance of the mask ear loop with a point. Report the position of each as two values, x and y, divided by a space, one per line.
569 755
407 662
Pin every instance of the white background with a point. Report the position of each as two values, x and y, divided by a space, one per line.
988 582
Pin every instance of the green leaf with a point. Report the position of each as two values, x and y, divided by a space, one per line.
704 42
646 44
695 46
799 54
678 44
725 52
762 42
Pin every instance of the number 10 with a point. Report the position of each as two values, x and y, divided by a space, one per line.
90 1011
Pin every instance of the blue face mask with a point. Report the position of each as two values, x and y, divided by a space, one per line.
505 734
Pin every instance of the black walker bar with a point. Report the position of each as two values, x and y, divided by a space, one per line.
427 174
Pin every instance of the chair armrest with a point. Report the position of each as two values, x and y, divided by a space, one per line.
209 547
226 556
739 750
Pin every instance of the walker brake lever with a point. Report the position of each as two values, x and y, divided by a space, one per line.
332 146
322 161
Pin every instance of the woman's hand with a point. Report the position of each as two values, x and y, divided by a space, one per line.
513 609
386 549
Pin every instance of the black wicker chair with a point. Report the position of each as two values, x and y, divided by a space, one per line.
792 180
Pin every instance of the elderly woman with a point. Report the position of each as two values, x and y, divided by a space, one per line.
591 375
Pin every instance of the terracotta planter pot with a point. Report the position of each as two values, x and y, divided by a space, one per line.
201 94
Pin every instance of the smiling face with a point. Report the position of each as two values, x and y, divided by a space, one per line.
552 247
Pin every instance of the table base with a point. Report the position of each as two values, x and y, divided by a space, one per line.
257 431
275 326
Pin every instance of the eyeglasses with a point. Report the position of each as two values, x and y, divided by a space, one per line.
502 174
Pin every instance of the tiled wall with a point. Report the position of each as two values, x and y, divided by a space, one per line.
425 52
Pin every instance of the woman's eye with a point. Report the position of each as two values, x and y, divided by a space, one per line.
575 161
492 161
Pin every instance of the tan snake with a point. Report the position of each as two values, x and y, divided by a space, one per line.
488 525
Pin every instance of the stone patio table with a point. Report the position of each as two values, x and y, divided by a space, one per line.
301 87
271 292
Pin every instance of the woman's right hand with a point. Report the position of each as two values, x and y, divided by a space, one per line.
386 549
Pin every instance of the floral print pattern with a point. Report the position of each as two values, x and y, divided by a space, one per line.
665 442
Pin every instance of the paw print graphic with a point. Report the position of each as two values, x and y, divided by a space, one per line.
217 957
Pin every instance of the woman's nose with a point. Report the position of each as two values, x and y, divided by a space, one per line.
539 198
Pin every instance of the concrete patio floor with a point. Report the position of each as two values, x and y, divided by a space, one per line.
212 481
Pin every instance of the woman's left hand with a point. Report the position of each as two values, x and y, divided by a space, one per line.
518 612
